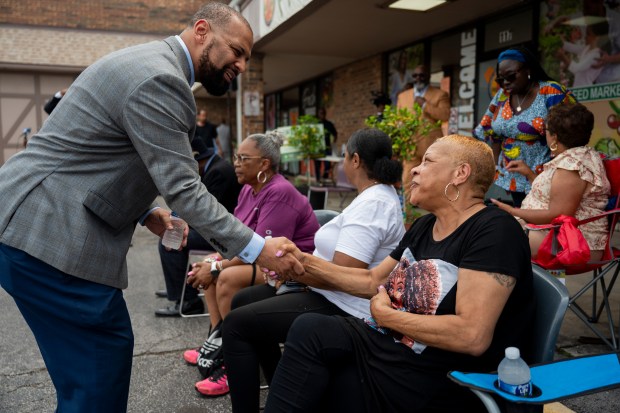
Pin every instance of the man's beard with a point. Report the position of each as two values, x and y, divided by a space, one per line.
420 85
211 77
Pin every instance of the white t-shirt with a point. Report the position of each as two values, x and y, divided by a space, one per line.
368 230
585 74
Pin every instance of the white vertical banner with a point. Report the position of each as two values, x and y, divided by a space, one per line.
251 103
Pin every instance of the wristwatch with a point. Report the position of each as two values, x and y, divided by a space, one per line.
215 271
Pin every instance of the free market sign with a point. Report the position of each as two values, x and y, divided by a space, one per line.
606 91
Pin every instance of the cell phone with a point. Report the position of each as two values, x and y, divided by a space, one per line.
291 287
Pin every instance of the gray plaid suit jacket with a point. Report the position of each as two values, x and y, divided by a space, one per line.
118 138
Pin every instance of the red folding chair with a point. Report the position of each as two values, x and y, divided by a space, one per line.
609 264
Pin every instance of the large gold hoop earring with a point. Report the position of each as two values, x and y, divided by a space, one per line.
552 147
445 192
258 176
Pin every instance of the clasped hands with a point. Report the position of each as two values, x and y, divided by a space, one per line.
200 274
281 260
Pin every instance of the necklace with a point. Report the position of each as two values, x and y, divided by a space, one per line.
368 186
521 101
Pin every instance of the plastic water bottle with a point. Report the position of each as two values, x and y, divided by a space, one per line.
514 374
174 237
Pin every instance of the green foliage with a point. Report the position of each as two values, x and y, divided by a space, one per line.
307 137
403 125
548 46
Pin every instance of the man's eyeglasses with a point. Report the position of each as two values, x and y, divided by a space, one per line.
420 75
243 158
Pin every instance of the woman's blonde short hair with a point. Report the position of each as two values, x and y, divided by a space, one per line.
478 155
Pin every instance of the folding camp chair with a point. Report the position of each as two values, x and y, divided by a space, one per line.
193 256
553 381
608 265
551 303
325 215
342 186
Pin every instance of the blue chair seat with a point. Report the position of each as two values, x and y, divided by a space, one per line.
557 380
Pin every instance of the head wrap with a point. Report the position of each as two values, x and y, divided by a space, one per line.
511 54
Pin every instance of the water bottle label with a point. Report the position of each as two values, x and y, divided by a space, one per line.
524 390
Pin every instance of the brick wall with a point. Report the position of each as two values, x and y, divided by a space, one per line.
143 16
352 104
66 48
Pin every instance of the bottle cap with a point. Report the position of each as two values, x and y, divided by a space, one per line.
512 353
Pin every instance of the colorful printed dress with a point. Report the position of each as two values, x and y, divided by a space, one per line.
521 136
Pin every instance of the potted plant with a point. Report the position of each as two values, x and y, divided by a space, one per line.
307 138
403 126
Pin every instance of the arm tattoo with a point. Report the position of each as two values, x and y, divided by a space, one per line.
505 280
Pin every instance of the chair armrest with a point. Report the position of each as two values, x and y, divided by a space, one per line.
557 380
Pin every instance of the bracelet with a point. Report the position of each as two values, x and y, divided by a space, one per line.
211 259
215 271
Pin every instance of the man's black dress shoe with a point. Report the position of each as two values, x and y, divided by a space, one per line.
161 293
193 306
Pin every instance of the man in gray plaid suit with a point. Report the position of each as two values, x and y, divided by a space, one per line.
70 201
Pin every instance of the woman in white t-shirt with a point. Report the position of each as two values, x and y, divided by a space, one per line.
361 236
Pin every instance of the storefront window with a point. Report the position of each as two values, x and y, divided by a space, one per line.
309 99
289 107
400 66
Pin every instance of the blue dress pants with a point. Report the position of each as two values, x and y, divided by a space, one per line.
82 328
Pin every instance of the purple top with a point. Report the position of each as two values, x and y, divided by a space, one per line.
280 208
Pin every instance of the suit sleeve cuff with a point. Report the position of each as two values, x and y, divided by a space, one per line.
144 216
251 251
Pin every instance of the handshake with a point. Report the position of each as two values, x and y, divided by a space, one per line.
281 260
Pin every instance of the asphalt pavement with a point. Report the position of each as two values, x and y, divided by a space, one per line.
161 382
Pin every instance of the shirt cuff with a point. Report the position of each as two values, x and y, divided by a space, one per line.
251 251
144 216
58 95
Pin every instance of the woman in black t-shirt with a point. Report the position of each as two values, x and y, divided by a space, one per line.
452 296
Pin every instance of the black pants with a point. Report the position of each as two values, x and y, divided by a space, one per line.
318 371
174 263
251 334
327 166
335 364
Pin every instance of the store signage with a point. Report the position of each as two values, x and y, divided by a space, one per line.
505 36
467 80
597 92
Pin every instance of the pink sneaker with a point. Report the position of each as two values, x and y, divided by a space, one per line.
216 385
191 356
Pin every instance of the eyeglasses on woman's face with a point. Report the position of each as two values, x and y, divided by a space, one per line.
243 158
508 77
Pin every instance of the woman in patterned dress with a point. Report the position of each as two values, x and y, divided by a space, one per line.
573 183
514 123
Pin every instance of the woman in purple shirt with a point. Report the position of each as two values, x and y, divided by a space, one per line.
271 206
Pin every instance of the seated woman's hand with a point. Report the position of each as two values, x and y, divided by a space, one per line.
200 275
286 265
503 206
380 304
213 257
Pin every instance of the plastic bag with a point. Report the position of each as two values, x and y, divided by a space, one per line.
572 248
